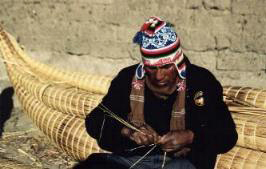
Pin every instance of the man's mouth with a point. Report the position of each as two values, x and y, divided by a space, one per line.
161 83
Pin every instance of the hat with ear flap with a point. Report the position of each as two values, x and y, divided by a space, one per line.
159 45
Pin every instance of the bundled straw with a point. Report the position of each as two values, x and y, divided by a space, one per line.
246 95
251 131
241 158
67 131
65 99
248 110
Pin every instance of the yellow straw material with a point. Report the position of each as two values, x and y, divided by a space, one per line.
246 95
241 158
251 131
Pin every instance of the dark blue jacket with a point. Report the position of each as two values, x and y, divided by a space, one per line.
212 124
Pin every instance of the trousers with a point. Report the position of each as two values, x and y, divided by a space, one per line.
112 161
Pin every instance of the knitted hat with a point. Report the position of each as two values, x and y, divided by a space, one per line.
159 45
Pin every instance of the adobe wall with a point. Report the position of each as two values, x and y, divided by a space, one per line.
228 37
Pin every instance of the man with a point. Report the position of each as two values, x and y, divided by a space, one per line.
176 109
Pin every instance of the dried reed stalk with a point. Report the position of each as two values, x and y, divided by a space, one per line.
241 158
251 131
63 98
247 110
246 95
66 131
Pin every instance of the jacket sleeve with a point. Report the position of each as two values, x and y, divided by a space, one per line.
216 132
104 128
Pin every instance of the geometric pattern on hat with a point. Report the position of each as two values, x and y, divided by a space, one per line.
157 38
163 38
159 45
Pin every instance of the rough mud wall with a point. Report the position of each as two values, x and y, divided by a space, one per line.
228 37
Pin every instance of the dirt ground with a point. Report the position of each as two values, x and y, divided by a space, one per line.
22 144
31 150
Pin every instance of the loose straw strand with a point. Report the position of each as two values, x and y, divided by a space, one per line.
164 159
143 157
101 132
105 109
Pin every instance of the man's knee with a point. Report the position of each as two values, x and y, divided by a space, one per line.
98 161
180 164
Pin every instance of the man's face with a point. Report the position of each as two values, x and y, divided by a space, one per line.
162 78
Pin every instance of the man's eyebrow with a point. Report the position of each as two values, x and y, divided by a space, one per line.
152 67
158 67
166 65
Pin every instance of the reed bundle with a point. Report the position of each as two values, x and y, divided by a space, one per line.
63 98
246 95
251 131
58 101
247 110
67 131
241 158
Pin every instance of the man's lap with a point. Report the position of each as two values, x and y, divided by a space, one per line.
112 161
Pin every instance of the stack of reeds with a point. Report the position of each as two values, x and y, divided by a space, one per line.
248 108
58 101
55 100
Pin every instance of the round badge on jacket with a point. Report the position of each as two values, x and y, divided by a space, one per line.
199 99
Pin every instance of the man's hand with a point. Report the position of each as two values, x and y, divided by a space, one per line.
147 135
176 140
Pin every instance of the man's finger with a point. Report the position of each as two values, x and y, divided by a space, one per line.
164 139
137 139
144 139
126 131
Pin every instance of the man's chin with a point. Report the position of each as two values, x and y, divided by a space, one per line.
163 90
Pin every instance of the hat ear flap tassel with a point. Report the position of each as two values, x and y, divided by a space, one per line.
181 69
138 38
140 72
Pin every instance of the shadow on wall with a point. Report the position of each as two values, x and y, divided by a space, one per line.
6 106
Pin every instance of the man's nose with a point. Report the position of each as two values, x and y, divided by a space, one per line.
159 74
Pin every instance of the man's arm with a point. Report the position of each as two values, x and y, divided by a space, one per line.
105 129
219 134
